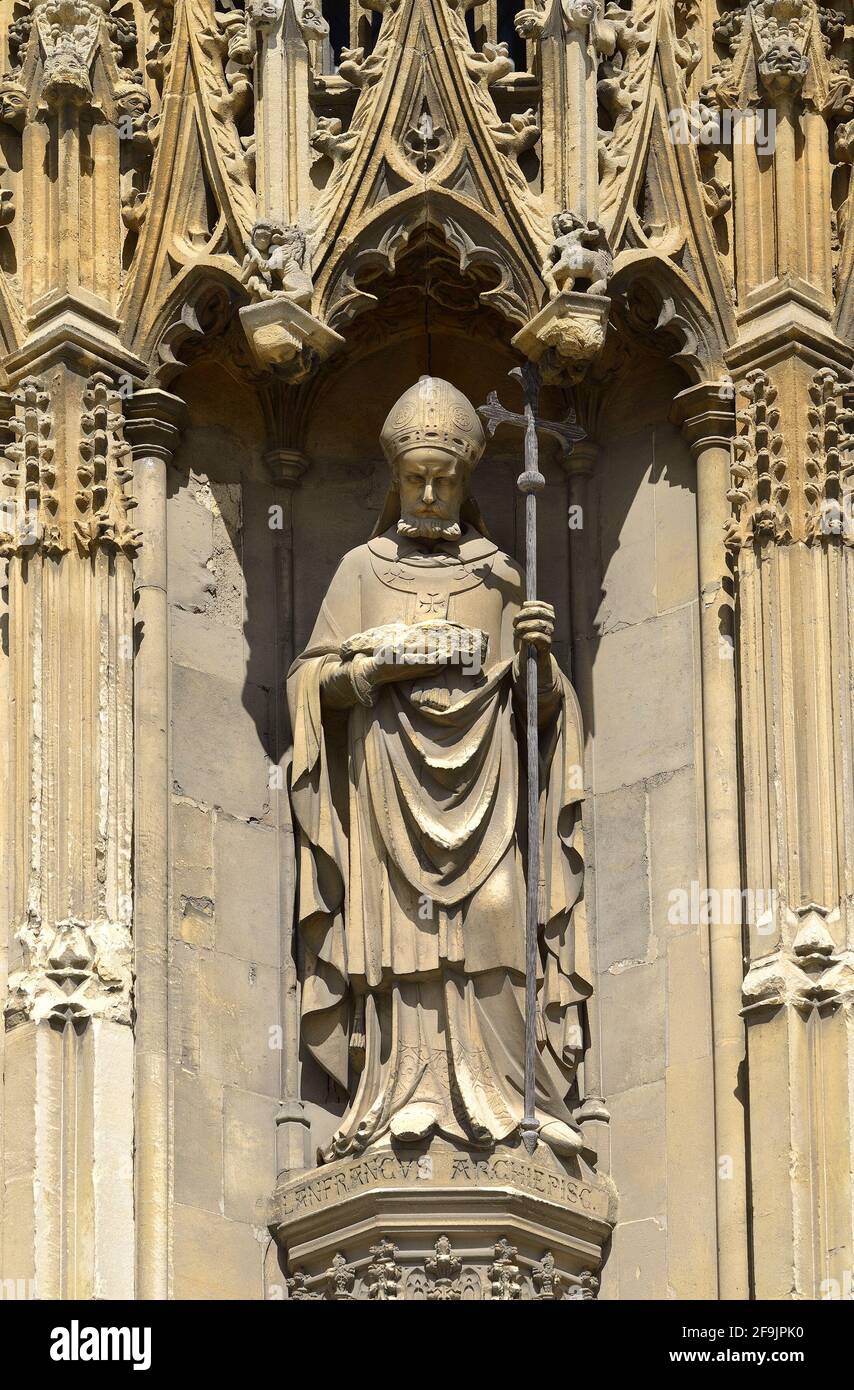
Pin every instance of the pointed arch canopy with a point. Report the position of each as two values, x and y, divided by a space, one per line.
475 239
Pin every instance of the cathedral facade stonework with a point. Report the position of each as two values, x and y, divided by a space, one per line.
426 594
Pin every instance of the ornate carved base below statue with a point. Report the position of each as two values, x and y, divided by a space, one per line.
437 1223
278 331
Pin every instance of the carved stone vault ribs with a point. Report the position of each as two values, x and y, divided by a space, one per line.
232 233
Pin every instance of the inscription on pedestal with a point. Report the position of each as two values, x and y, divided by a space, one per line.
339 1181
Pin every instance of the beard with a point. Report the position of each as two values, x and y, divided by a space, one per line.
428 528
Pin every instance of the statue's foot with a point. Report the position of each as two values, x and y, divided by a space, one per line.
561 1138
413 1122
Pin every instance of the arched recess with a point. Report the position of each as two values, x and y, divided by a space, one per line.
682 315
481 250
199 311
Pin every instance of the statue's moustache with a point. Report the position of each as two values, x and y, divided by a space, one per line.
428 528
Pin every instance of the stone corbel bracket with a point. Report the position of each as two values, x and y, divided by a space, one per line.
74 969
567 335
813 974
282 335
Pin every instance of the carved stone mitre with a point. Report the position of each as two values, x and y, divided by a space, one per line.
433 414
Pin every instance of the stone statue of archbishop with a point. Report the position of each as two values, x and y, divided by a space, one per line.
408 710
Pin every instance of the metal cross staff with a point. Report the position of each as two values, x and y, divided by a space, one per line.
530 483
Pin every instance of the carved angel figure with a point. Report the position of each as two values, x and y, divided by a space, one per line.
274 263
578 252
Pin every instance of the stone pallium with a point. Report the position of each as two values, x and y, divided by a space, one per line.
263 706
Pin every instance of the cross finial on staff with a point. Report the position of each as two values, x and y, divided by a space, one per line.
530 482
566 431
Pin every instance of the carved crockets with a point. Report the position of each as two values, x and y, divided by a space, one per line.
772 502
50 507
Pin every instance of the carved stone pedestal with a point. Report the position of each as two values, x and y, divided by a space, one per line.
278 330
418 1225
567 334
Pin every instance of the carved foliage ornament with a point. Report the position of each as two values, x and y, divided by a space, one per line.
623 47
829 485
29 511
104 472
760 492
74 970
34 514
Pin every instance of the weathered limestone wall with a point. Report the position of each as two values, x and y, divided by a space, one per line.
224 975
646 840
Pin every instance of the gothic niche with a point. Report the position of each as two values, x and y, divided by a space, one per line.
424 290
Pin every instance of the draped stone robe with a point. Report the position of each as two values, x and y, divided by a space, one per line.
411 821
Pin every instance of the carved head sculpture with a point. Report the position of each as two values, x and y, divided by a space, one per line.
579 13
292 241
263 234
783 65
133 101
432 439
565 222
263 14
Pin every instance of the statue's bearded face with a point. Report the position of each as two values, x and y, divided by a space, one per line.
433 486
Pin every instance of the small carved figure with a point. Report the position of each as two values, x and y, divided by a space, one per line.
491 64
133 106
530 23
517 135
578 252
239 58
358 70
330 139
312 25
274 263
137 133
263 15
578 14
